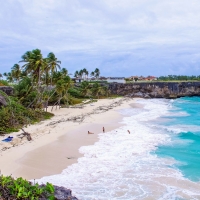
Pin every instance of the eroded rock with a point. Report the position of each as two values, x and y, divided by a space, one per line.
156 89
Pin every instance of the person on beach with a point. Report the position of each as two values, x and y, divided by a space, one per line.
128 131
103 130
90 132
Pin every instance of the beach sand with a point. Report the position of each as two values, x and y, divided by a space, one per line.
54 147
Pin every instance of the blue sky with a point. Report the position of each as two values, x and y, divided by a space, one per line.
121 38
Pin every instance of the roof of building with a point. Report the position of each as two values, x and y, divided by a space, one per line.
116 77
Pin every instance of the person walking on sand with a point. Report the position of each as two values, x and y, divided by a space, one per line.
103 130
128 131
90 132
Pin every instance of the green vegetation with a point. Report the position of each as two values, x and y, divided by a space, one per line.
179 78
15 115
39 82
11 188
3 83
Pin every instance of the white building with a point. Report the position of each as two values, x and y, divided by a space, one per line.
116 80
78 80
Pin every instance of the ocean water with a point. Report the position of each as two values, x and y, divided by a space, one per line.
159 159
185 134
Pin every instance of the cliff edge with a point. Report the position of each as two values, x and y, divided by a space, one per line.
156 89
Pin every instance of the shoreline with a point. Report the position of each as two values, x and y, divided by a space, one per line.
59 142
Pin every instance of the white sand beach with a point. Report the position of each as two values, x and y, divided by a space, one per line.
54 147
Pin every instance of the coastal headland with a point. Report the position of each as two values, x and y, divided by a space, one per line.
56 142
169 90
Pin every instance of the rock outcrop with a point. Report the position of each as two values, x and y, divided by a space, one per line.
7 89
2 101
156 89
62 193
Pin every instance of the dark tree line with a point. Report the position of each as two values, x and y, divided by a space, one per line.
179 78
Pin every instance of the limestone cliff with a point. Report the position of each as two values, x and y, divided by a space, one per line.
156 89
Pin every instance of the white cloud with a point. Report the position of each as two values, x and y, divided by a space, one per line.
143 37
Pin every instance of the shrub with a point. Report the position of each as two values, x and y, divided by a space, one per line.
19 188
74 92
3 83
14 116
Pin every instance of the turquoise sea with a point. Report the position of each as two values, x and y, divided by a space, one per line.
184 129
158 160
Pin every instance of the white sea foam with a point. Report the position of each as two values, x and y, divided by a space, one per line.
178 128
121 166
177 114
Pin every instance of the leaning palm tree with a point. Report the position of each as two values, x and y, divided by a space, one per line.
68 83
62 87
53 63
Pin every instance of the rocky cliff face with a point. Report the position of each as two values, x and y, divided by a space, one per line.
156 90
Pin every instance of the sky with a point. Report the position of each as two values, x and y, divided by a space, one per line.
120 37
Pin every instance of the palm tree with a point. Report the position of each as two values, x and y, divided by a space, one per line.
5 74
1 76
86 73
85 88
80 73
62 87
64 72
97 89
23 74
68 83
56 77
35 64
53 63
16 71
97 73
76 74
92 74
9 77
27 58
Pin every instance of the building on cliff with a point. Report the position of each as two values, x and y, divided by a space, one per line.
116 80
